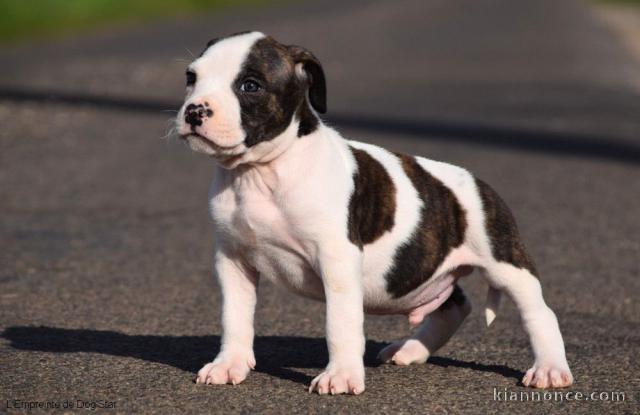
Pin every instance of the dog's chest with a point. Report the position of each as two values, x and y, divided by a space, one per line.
251 220
261 232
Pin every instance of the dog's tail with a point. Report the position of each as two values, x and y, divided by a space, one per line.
491 307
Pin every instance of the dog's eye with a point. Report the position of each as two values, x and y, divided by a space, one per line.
250 86
191 78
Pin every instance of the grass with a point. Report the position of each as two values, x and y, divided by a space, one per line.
21 19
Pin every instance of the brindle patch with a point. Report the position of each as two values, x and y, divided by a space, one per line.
441 228
308 121
506 244
372 205
267 113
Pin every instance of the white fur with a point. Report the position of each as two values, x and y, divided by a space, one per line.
280 211
550 368
216 70
239 288
432 334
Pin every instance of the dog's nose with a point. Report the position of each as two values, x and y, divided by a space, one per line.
194 114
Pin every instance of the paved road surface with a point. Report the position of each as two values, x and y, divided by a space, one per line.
105 288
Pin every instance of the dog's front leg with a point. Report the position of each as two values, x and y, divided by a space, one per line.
239 292
342 280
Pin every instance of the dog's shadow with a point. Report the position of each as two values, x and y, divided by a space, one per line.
276 354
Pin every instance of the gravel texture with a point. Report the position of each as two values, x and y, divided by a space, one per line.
106 293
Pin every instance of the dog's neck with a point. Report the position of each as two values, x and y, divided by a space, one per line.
270 163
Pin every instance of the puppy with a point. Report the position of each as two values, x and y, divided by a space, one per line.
352 224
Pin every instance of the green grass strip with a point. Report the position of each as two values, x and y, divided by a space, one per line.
37 18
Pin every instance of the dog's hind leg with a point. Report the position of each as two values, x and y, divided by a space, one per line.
550 368
436 329
511 269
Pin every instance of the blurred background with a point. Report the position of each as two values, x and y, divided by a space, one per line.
105 283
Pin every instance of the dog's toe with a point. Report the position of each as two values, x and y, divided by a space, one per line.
223 371
385 355
404 352
338 380
548 376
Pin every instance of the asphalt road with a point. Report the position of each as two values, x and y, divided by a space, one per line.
106 292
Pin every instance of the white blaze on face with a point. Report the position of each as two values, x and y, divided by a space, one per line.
216 71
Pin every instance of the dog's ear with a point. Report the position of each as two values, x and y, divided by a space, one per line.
308 68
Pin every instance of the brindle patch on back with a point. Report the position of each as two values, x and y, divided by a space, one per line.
441 228
372 205
506 245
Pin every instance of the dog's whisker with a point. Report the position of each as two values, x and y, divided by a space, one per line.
173 132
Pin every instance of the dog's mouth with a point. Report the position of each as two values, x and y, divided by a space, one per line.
226 155
208 142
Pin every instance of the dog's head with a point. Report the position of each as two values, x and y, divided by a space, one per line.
247 95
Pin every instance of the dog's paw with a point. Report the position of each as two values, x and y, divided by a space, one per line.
225 370
337 379
548 376
404 352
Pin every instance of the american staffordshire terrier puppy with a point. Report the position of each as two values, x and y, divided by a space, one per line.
364 229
